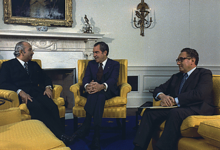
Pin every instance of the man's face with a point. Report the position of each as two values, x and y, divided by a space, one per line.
27 55
98 54
185 63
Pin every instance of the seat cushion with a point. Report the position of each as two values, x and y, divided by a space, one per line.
115 101
30 134
210 131
194 144
190 125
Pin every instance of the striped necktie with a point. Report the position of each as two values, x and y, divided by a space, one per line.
185 75
26 67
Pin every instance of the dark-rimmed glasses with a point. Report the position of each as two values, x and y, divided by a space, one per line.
181 59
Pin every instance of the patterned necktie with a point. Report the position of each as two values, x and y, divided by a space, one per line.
185 75
26 67
100 72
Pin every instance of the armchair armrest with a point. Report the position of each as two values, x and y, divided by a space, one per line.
25 114
75 88
10 98
125 89
155 103
11 115
24 109
57 89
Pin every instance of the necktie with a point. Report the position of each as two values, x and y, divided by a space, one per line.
26 67
185 75
100 72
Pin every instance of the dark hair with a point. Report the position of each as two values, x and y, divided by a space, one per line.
191 53
19 46
103 47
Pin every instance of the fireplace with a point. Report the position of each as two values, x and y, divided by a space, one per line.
65 78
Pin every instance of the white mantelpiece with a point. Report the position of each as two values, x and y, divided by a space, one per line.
55 49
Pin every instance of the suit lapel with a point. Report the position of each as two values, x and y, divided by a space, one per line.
20 66
178 80
107 66
95 68
30 68
190 79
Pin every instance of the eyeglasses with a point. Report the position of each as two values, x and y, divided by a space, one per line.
181 59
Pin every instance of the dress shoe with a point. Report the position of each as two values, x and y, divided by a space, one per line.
95 144
67 140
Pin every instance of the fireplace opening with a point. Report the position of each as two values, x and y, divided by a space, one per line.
64 77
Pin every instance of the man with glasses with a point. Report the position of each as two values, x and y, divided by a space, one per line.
189 90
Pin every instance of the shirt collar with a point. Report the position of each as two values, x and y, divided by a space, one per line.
189 72
21 61
104 63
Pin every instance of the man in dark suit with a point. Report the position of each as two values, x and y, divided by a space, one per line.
33 87
190 90
100 83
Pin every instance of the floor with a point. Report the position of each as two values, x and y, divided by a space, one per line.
130 112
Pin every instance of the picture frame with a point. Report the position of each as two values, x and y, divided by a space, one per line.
38 12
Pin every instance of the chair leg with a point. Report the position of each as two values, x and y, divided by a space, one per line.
75 123
123 127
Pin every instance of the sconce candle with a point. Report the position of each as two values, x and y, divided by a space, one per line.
142 11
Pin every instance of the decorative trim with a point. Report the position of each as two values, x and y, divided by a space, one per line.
8 18
16 33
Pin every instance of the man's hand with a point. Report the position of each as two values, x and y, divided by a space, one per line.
48 92
25 97
94 87
166 100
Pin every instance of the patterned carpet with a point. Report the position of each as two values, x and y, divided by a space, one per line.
110 137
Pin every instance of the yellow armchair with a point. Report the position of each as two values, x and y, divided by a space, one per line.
114 107
29 134
11 99
198 132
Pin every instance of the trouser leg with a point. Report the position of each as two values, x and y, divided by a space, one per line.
171 133
150 122
99 109
44 109
95 106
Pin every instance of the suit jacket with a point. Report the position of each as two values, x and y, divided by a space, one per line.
110 75
13 76
196 93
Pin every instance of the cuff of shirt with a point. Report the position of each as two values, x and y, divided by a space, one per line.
49 86
106 87
177 101
158 95
18 91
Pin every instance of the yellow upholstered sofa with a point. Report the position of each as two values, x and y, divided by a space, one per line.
25 135
198 132
11 99
114 107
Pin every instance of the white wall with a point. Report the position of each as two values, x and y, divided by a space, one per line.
177 24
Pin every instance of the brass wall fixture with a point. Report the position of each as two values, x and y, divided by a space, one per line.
142 11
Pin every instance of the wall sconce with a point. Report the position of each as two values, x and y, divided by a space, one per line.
142 11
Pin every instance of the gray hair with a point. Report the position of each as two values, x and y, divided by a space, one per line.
19 46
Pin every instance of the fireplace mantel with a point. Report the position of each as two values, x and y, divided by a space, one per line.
55 49
18 33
